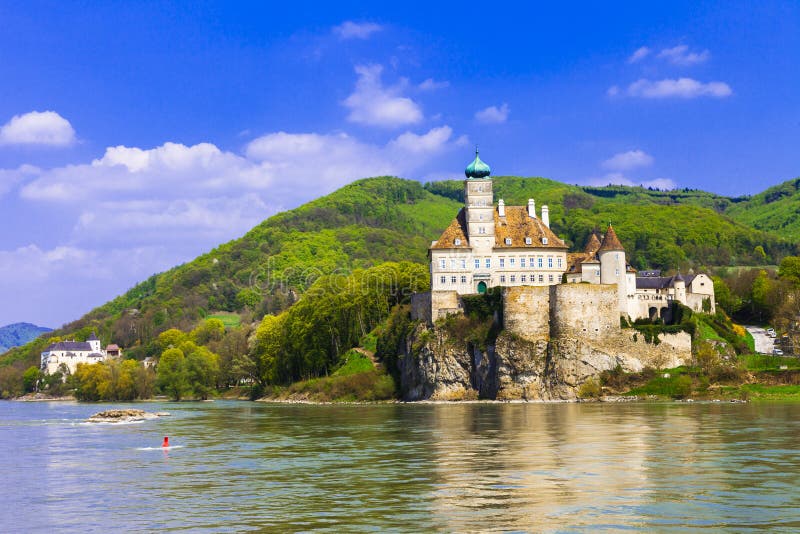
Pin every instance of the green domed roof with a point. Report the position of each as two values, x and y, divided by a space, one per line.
477 169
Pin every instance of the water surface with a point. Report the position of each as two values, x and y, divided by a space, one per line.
403 467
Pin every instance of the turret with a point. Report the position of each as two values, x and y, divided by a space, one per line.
94 343
680 288
479 206
613 266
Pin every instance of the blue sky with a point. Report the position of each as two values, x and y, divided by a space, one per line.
136 135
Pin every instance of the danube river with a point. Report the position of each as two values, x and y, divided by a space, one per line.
402 467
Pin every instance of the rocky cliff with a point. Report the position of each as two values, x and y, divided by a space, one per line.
437 365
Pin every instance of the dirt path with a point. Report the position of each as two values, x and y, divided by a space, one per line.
764 343
369 354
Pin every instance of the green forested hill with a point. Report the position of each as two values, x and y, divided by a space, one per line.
775 210
376 220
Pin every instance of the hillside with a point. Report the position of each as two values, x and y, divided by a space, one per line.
17 334
376 220
775 210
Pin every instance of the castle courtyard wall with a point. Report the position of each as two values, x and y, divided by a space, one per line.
526 311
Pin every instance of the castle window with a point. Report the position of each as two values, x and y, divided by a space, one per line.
550 262
528 241
512 261
457 242
453 279
463 279
502 263
442 264
550 278
502 279
544 241
477 263
559 263
482 229
541 278
513 278
531 262
488 263
453 263
463 264
523 278
508 241
522 263
540 263
616 272
443 280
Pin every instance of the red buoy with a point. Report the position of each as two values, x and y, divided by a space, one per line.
166 442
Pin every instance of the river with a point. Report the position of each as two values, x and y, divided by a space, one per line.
402 467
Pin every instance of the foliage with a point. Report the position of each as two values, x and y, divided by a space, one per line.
112 380
188 369
354 362
590 389
30 378
336 312
367 386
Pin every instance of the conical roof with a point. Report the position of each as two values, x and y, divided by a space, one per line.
592 244
611 241
92 337
477 169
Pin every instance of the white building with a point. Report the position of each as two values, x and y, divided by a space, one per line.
487 246
71 353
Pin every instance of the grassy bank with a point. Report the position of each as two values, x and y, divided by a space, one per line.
357 380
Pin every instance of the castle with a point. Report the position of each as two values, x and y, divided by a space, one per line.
490 245
66 355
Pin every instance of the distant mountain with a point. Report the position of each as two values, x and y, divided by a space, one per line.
17 334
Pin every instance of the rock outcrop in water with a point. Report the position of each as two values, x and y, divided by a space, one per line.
124 416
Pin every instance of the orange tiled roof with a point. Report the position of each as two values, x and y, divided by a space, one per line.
515 225
456 230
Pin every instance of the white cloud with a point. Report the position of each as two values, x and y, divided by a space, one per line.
678 88
169 203
431 85
46 128
680 55
632 159
639 54
617 178
373 104
356 30
613 91
9 178
493 114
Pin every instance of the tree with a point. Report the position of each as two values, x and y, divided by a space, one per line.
724 296
202 369
208 330
30 378
789 270
171 338
172 377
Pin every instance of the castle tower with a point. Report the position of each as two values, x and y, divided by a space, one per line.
479 206
613 266
94 343
680 288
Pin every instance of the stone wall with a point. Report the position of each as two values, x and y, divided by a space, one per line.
583 310
421 307
526 311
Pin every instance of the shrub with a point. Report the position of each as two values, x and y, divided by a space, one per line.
590 389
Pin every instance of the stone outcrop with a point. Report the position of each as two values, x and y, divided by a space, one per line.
124 416
435 366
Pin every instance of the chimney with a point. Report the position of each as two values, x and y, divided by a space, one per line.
501 208
546 216
531 208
